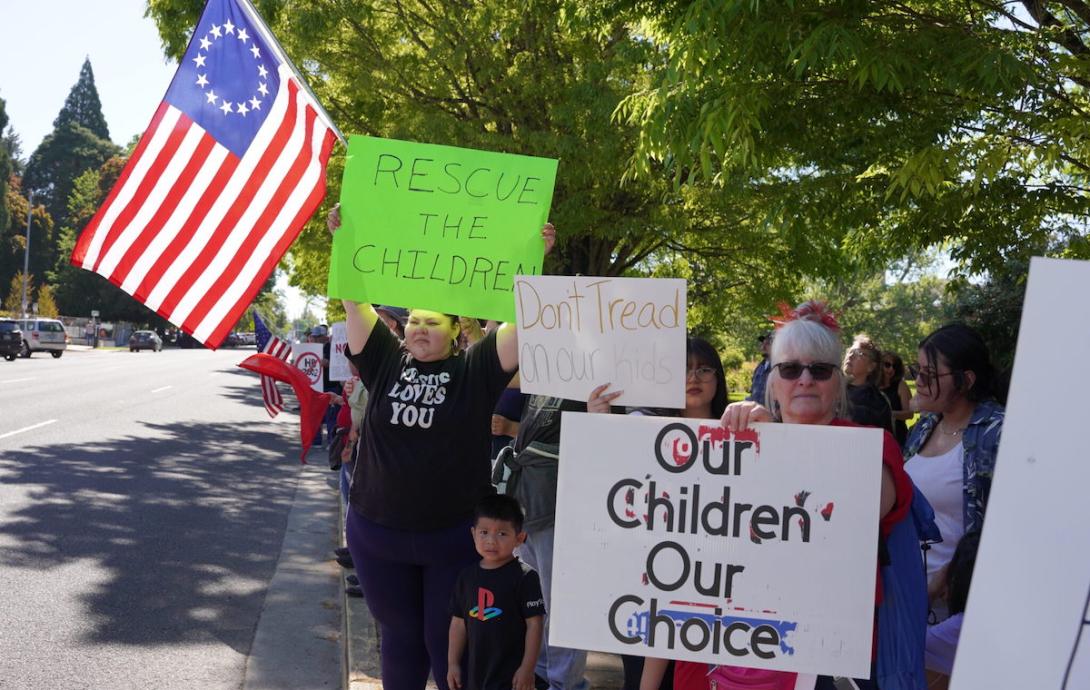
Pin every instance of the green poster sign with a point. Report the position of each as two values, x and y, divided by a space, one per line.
439 227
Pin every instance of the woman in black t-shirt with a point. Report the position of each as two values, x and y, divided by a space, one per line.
422 467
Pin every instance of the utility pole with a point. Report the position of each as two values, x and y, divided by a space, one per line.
26 250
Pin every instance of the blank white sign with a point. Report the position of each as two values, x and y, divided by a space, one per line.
1025 625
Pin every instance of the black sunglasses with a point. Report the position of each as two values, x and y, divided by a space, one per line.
819 371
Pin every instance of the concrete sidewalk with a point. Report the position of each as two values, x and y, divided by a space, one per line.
364 671
297 643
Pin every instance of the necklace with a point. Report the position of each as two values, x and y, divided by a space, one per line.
955 432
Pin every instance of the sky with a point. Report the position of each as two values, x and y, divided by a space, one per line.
44 45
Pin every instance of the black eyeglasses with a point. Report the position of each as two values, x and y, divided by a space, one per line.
887 365
928 377
819 371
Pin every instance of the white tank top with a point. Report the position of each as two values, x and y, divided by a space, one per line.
939 479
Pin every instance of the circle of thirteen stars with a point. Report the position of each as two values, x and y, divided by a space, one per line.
222 31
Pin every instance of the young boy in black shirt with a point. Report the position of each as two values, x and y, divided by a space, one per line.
497 606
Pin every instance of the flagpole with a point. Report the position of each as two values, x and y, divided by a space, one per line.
267 34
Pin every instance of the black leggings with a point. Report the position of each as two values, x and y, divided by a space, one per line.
407 579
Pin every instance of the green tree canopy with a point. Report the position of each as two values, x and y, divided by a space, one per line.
270 304
539 78
13 144
13 300
13 239
47 306
906 123
896 307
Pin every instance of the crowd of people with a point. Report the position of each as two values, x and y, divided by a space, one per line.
459 576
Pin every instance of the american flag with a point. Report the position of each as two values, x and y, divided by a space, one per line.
220 184
270 345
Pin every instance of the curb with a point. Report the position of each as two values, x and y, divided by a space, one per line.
362 667
296 637
604 671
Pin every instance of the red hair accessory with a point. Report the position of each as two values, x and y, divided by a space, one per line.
812 310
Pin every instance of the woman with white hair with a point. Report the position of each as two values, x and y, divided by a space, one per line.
807 385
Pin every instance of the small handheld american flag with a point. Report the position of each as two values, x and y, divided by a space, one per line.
270 345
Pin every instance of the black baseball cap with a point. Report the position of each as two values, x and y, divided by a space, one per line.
400 314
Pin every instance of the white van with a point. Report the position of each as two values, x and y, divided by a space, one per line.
43 335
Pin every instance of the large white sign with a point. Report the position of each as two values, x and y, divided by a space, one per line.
1027 624
576 333
307 358
676 539
338 361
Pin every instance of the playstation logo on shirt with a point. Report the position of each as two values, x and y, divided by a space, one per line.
484 610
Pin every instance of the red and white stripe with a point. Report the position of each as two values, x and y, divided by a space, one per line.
274 402
192 230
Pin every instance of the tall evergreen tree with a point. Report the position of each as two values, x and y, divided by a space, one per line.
78 142
82 107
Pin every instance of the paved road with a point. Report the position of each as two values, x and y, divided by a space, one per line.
144 501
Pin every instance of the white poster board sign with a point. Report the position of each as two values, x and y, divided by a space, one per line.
338 361
676 540
576 333
1026 621
307 358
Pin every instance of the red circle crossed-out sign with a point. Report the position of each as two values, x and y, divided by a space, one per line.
310 364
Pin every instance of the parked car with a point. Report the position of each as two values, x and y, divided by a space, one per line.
247 338
145 340
44 335
232 340
11 339
187 341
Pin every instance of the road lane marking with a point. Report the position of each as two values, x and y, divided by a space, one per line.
163 388
16 380
28 428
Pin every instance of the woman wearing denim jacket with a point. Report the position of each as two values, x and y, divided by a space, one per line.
950 453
